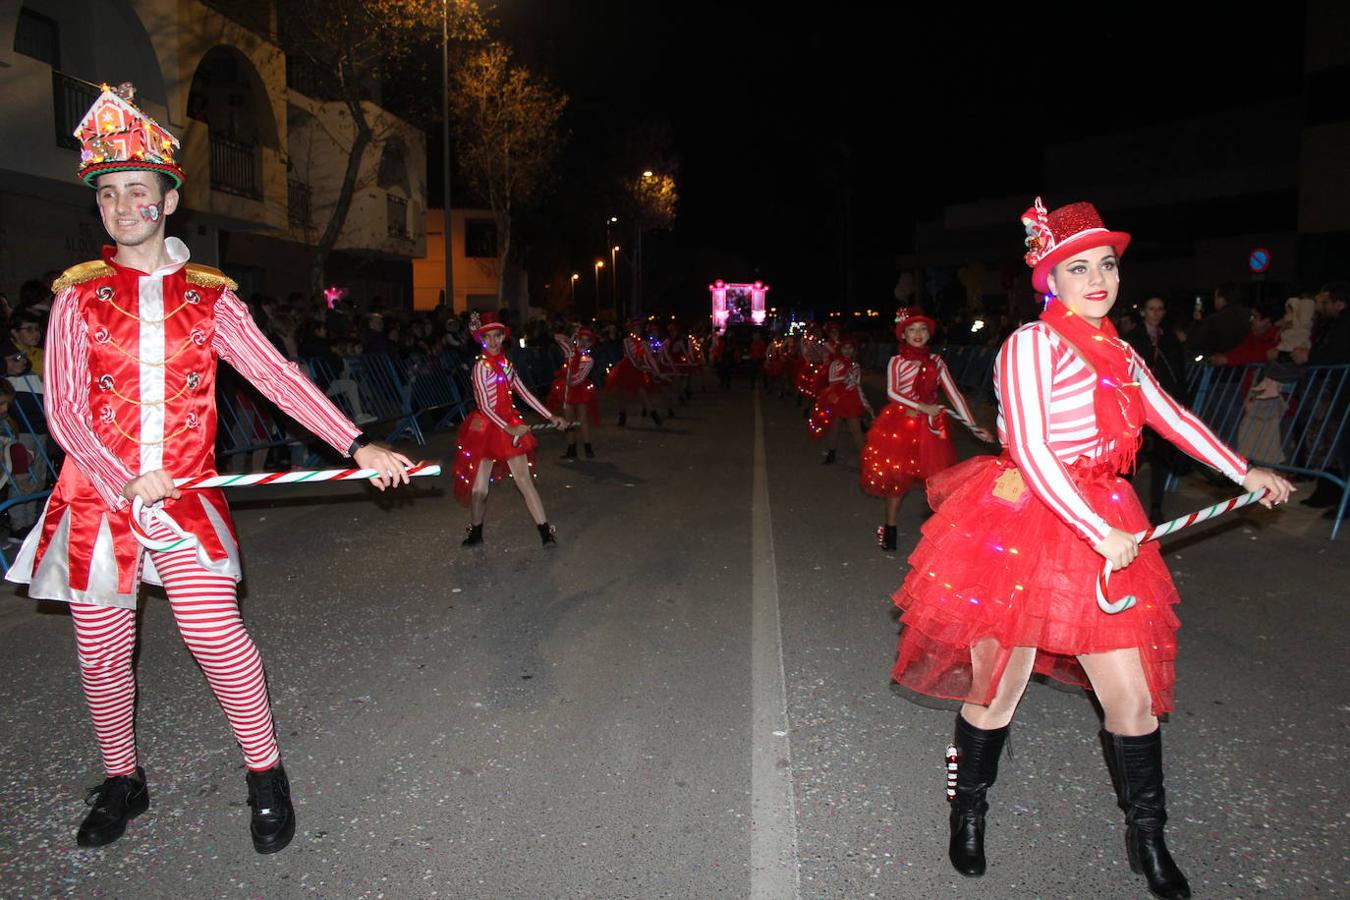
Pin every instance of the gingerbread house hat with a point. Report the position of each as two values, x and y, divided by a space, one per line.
1054 237
906 316
115 136
481 326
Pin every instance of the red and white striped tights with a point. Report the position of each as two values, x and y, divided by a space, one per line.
207 612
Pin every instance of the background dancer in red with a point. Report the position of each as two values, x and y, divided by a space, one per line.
1002 583
631 377
842 400
494 439
809 367
909 442
575 393
131 356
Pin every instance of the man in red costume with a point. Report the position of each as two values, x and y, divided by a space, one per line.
132 348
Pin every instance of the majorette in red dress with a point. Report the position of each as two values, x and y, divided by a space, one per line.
483 434
572 384
1006 560
905 445
130 389
631 375
842 398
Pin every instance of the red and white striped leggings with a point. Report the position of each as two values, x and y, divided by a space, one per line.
207 612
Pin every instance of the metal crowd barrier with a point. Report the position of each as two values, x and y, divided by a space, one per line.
21 491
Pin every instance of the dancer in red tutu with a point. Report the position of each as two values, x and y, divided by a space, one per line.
494 439
842 400
909 443
574 392
631 378
809 366
1002 583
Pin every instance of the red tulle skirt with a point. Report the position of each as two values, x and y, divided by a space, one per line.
773 365
480 439
835 402
902 449
806 379
997 569
627 379
585 395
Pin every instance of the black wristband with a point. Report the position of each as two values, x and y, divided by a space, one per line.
357 444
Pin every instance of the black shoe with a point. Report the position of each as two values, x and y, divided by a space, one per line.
473 536
1325 494
273 822
623 419
1136 766
829 458
656 418
974 759
546 535
115 802
590 454
571 452
886 537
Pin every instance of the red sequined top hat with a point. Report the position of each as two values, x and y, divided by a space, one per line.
906 316
115 136
1054 237
480 326
584 332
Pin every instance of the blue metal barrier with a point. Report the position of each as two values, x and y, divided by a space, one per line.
22 489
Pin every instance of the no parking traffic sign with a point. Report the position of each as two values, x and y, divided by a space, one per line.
1258 260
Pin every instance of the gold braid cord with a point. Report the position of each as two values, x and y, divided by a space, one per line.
86 271
187 342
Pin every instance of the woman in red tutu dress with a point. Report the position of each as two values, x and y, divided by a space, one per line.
809 366
494 439
1001 585
842 400
908 442
632 377
575 392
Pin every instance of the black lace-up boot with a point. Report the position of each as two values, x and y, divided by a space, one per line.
886 537
273 822
473 536
546 535
976 768
114 803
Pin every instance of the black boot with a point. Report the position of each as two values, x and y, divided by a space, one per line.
590 454
115 802
571 452
656 418
273 822
829 458
886 537
546 535
1325 494
1136 767
623 419
473 536
976 763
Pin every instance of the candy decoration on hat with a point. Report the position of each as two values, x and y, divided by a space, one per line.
906 316
1055 236
116 136
480 326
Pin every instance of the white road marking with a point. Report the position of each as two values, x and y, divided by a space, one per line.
773 804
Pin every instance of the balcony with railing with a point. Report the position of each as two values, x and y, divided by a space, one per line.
234 167
71 99
298 210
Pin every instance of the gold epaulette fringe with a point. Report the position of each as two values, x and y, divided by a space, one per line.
85 271
205 276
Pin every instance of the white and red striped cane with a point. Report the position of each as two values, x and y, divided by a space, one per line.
142 516
1158 531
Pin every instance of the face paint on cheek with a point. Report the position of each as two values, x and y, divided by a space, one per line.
150 212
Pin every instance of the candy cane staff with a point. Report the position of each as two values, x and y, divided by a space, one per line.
494 439
631 377
576 393
909 443
842 400
132 348
1002 582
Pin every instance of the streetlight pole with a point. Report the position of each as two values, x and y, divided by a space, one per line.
614 279
573 280
445 137
599 264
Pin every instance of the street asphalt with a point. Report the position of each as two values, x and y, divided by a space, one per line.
518 722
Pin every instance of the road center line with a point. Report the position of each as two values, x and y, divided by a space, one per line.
773 806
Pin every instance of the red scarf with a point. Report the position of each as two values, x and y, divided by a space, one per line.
1116 400
926 382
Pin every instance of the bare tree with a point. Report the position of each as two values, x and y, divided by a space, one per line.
508 125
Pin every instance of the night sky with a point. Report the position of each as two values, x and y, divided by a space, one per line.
798 136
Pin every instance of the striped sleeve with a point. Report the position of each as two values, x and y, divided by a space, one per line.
581 371
518 385
1026 369
900 384
69 417
485 393
1183 428
239 342
959 406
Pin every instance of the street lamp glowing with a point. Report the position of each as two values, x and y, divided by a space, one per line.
648 174
614 249
613 219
